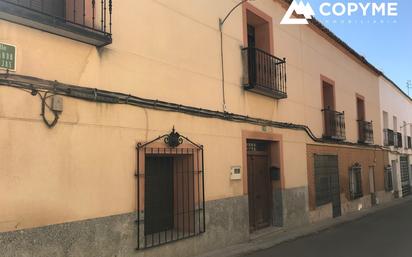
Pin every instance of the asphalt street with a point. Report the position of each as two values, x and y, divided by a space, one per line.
386 233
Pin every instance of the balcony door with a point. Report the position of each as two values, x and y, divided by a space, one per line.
251 36
258 32
330 118
328 94
360 107
362 125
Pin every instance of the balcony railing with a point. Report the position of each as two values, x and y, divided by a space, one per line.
365 130
388 137
398 140
88 21
334 123
264 73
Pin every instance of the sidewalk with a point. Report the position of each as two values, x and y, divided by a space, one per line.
279 236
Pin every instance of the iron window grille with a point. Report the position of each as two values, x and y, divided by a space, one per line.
355 181
326 178
256 146
388 137
170 190
264 73
388 178
323 190
405 177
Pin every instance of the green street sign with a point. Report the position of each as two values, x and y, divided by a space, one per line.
7 57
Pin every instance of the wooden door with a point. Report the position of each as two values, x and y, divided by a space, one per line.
360 107
372 184
259 186
328 96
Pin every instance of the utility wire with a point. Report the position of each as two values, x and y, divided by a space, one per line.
36 85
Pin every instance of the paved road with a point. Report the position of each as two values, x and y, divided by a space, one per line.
387 233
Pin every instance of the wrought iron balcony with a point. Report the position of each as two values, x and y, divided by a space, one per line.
88 21
365 131
334 124
388 137
264 73
398 140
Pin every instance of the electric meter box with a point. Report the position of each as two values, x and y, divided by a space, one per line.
235 173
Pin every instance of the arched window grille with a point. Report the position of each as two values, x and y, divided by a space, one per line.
170 190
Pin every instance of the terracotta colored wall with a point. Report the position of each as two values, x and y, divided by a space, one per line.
346 158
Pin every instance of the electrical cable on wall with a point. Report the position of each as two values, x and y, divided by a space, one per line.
36 86
222 63
44 104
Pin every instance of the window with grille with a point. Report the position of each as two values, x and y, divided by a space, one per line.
256 146
355 181
170 191
326 178
323 190
388 178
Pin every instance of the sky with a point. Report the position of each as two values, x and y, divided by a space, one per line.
387 44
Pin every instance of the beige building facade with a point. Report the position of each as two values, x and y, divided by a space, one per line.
120 137
397 131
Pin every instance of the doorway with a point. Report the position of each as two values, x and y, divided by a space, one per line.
259 185
328 96
395 179
372 184
331 122
405 183
360 108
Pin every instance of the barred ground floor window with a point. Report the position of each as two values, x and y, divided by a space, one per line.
355 181
388 178
170 190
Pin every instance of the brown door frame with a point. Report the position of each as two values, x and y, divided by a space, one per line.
325 80
266 208
276 142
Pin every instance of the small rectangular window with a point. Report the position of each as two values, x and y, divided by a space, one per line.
355 182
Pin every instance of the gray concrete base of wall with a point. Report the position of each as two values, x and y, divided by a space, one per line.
384 197
295 207
227 223
350 206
